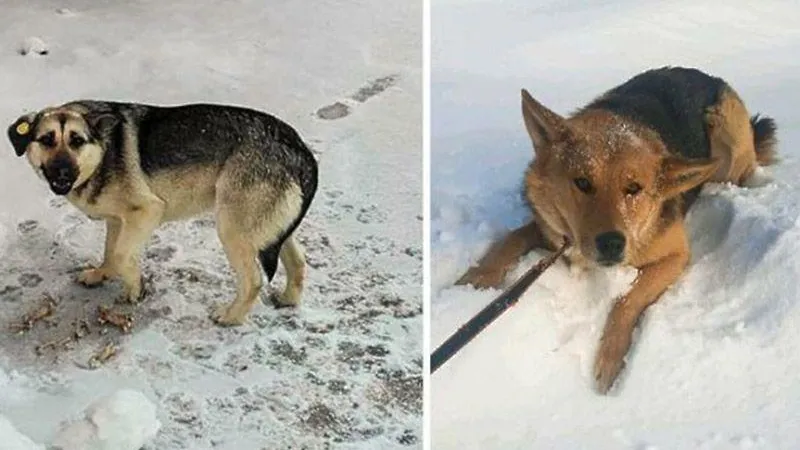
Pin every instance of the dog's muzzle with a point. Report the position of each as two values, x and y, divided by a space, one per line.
610 248
61 174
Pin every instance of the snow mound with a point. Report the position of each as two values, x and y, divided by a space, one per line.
33 45
125 420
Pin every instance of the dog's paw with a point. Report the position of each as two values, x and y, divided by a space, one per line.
136 293
481 278
610 360
131 296
228 316
92 277
284 300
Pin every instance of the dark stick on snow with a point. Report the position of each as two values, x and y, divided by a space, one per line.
492 311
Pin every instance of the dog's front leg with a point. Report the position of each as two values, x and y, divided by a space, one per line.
136 227
493 267
652 281
93 276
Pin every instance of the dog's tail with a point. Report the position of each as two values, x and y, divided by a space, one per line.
268 256
764 139
270 253
303 170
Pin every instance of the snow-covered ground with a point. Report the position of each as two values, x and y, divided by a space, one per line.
345 368
715 365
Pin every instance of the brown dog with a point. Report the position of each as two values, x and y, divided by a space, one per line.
617 177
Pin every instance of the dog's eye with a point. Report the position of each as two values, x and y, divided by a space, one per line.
633 188
76 141
583 184
48 140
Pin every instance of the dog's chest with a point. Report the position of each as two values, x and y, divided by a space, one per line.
95 211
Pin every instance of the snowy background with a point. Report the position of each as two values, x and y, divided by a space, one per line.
342 370
716 365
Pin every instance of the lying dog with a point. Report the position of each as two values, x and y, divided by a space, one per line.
617 177
137 166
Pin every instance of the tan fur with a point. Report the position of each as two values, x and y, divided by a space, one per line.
135 205
731 139
292 258
240 233
614 154
187 191
242 254
491 270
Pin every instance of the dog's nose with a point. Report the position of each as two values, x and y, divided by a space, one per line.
64 173
610 247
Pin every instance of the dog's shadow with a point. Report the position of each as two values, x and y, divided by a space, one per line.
727 238
709 222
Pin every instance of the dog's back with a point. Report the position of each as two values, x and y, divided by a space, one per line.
671 101
696 116
171 137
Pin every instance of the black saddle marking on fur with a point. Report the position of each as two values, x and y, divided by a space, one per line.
671 101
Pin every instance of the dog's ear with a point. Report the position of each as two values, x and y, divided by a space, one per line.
102 124
20 133
679 175
544 126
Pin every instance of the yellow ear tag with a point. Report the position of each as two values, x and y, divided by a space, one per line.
23 128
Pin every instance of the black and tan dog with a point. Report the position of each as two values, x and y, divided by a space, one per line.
617 177
137 166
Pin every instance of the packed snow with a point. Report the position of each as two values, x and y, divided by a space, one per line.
344 369
12 439
715 363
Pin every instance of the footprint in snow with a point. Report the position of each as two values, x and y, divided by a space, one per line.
66 12
371 89
27 226
374 88
334 111
30 280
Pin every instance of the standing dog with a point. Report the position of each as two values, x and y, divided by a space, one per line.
137 166
617 177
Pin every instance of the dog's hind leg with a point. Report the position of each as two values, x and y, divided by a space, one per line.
241 254
493 267
730 136
253 221
294 262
